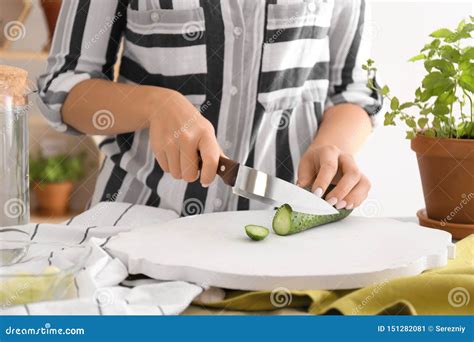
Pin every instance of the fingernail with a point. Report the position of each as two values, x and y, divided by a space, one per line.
332 201
205 185
318 192
341 204
349 206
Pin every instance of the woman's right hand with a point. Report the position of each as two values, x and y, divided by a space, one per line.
180 135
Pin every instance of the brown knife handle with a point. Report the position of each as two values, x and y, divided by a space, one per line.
227 169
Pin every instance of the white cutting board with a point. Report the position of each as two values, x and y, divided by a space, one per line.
213 249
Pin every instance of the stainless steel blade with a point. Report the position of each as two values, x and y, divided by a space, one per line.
257 185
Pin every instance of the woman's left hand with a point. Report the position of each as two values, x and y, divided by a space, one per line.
322 165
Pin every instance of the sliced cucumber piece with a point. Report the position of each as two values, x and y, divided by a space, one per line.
286 221
256 233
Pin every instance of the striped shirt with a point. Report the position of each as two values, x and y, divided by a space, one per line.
263 72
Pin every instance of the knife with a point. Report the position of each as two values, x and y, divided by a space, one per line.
257 185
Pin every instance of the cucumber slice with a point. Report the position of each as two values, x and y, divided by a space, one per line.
256 233
286 221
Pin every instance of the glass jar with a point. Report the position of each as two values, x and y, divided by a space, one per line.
14 184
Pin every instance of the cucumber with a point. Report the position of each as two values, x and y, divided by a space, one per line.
256 233
286 221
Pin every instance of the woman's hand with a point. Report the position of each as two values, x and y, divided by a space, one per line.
179 136
321 165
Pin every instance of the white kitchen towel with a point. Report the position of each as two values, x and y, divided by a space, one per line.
103 285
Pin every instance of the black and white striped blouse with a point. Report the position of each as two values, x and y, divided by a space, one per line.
261 71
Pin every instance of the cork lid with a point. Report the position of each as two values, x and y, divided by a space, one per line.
15 81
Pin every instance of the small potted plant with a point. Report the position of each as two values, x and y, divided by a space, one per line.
440 125
52 181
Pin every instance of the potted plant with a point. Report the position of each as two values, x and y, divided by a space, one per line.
52 181
440 125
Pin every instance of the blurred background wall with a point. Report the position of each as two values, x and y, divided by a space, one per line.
399 29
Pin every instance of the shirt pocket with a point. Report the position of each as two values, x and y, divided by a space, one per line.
167 48
295 57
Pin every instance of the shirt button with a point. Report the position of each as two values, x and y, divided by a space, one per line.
233 90
155 16
217 202
312 7
237 31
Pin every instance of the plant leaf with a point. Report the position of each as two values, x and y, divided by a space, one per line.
466 81
429 132
467 54
440 109
417 57
425 110
406 105
442 33
394 103
446 98
410 123
385 90
388 119
437 83
467 67
422 122
450 53
442 65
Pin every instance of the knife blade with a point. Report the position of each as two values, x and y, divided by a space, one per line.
257 185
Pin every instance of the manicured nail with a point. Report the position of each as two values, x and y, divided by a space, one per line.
349 206
318 192
341 205
332 201
205 185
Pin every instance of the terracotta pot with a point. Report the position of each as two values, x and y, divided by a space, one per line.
447 175
51 12
53 198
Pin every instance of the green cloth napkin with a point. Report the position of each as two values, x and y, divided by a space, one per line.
443 291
